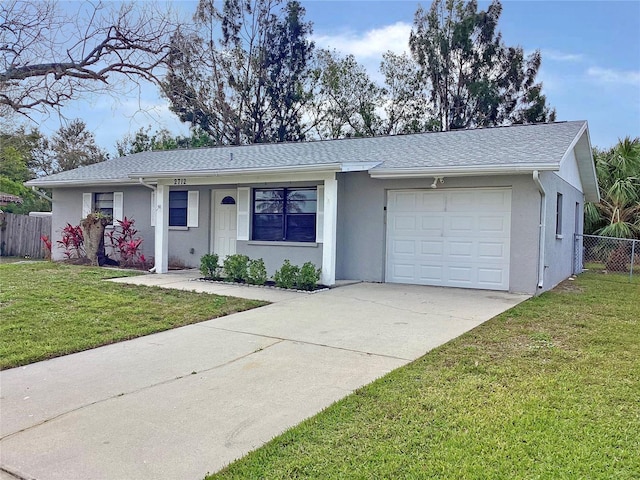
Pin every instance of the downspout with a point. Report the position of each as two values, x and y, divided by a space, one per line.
543 223
40 194
152 269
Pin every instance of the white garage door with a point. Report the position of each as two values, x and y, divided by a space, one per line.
454 238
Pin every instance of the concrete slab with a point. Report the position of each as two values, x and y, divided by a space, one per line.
180 403
195 424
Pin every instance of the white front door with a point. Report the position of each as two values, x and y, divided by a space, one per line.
449 237
224 228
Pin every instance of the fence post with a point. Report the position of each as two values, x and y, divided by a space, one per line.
633 255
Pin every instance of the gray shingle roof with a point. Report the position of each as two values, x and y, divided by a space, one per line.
540 144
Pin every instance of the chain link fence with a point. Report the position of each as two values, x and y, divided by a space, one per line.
619 257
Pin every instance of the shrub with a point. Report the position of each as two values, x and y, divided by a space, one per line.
287 276
308 277
72 241
209 266
257 274
124 243
236 268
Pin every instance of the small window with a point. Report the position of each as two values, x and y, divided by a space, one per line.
559 215
178 206
285 214
228 201
103 203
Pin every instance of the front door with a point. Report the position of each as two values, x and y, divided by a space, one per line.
224 229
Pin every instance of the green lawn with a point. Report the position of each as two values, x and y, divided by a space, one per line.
547 390
49 309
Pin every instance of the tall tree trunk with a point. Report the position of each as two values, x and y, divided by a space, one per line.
93 229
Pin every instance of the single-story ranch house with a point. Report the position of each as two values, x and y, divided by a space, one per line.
493 208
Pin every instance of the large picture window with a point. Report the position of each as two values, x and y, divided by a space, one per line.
284 214
178 205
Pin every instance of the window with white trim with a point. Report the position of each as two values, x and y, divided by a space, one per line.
178 208
103 203
284 214
183 208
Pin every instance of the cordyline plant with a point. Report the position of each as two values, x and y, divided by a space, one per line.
72 241
47 245
124 243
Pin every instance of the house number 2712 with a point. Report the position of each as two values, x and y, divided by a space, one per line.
179 181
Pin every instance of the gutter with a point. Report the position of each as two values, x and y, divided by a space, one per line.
460 171
328 167
543 223
152 269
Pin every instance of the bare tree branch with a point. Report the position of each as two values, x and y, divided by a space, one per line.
51 54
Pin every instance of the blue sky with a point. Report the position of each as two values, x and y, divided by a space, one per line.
590 61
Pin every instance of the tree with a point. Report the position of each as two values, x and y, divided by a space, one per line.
344 98
618 212
474 79
20 154
405 96
50 54
163 139
240 78
73 146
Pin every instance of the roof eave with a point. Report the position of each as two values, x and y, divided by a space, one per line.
461 171
327 167
79 182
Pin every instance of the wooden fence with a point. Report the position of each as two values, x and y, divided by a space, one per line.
20 235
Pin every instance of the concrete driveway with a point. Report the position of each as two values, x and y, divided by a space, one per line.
185 402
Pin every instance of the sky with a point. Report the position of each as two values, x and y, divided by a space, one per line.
590 61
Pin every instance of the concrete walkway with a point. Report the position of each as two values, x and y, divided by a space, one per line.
181 403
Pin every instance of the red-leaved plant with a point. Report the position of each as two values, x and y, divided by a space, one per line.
124 244
72 242
47 245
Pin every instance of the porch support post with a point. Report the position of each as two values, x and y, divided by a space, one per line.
330 223
162 229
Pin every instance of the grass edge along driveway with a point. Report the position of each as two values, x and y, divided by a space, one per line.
549 389
50 309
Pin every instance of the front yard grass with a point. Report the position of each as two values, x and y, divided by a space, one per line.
49 309
549 389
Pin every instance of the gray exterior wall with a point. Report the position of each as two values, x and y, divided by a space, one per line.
559 249
362 227
67 208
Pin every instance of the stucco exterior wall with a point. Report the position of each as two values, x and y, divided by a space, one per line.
67 208
362 228
559 249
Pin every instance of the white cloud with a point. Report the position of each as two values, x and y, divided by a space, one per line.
558 56
608 75
370 44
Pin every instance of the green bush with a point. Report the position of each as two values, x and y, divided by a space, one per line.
257 272
287 276
209 266
236 268
308 277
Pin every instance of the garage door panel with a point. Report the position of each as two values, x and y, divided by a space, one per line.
404 247
432 248
493 251
461 249
429 273
405 223
458 237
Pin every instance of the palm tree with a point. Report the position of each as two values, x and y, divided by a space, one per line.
618 212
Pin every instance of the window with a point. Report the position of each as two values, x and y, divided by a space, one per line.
178 205
559 215
103 203
284 214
